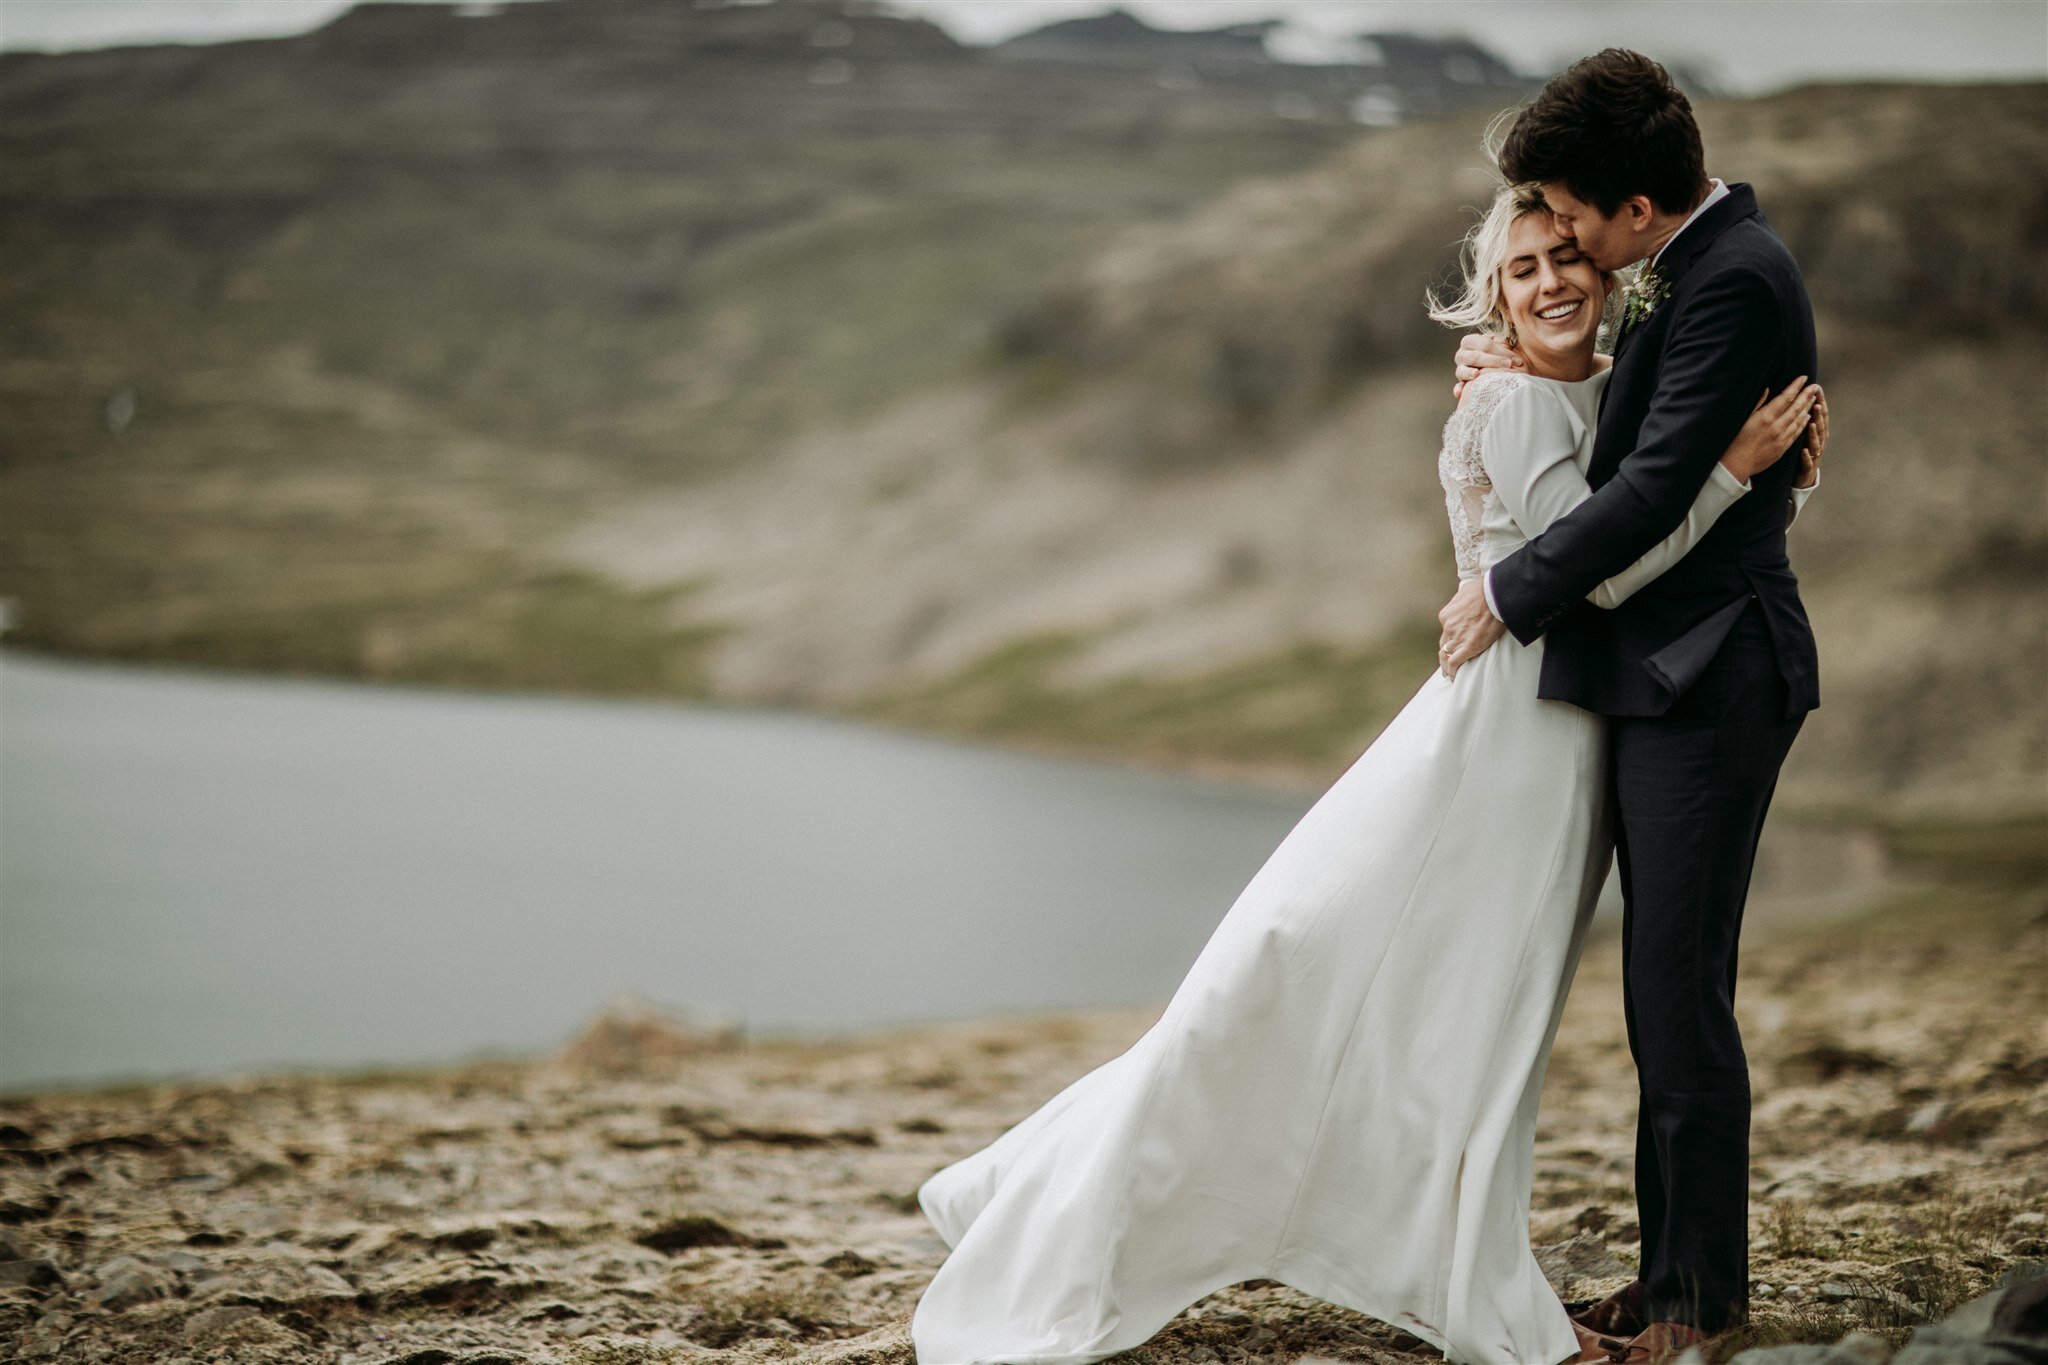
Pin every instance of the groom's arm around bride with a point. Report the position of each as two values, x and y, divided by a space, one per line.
1706 674
1737 325
1727 317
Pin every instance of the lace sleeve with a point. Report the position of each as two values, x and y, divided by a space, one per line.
1461 466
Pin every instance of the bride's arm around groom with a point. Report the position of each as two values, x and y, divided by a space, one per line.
1705 674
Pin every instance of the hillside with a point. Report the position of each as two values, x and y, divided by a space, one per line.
306 341
1195 513
795 354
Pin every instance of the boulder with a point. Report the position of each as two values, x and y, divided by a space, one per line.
632 1035
127 1281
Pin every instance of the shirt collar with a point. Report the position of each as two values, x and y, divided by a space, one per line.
1718 192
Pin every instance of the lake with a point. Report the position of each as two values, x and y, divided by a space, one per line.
205 873
208 873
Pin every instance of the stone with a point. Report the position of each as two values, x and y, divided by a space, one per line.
209 1322
632 1035
1584 1257
45 1339
277 1280
1825 1059
127 1281
22 1211
461 1285
183 1262
1923 1119
2023 1303
848 1264
681 1234
1857 1348
552 1311
435 1355
474 1238
33 1273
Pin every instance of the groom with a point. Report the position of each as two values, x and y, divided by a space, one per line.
1706 674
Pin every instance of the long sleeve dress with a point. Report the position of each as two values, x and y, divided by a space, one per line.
1341 1094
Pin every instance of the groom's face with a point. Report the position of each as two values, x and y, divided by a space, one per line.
1609 241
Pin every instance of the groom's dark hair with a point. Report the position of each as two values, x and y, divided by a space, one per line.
1612 125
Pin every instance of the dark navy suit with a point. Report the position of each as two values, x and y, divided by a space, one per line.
1708 673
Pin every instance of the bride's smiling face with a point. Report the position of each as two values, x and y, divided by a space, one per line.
1552 294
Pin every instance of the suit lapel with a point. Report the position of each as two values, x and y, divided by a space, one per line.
1627 339
1688 246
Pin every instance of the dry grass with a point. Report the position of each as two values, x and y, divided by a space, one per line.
1899 1063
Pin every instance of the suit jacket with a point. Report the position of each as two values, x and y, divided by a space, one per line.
1735 322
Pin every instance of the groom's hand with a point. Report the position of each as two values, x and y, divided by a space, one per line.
1470 628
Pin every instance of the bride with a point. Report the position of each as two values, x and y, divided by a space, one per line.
1341 1094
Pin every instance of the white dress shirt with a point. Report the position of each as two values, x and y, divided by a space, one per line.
1716 192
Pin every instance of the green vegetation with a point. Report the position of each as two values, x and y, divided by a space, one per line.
2004 852
1881 1276
476 621
1314 704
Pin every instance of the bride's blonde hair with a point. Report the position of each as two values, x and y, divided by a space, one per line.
1478 302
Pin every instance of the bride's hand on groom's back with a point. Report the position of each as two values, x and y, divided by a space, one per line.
1772 428
1816 445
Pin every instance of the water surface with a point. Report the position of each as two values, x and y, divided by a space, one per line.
203 873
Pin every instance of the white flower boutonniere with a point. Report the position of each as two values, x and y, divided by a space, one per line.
1641 297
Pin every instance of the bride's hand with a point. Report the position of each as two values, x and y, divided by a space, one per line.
1816 443
1771 429
1482 351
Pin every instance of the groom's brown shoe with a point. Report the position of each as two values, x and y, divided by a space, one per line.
1620 1314
1662 1343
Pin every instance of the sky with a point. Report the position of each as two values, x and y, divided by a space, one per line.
1743 46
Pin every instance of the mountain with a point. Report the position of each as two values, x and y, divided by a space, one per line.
1395 77
1120 37
796 354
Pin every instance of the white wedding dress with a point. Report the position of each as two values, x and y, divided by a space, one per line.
1341 1094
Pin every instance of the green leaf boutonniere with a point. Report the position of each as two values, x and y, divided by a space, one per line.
1641 297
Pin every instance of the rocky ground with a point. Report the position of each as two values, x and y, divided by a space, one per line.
652 1194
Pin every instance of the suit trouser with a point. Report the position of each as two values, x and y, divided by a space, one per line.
1691 788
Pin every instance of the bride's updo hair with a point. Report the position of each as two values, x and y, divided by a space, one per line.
1478 302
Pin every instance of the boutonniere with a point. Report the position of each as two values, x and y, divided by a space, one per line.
1641 297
